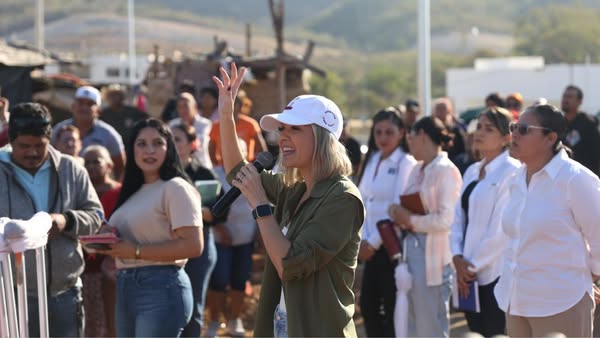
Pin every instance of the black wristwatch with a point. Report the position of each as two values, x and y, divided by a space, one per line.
262 210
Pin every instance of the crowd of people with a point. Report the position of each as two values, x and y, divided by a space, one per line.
510 204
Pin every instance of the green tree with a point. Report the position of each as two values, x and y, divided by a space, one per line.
332 86
560 34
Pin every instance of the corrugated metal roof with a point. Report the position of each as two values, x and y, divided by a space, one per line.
22 56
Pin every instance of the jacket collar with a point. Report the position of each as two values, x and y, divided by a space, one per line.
495 163
53 155
440 157
553 167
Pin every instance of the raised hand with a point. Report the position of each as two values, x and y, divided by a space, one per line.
228 88
4 110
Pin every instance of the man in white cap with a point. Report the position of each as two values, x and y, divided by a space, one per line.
85 110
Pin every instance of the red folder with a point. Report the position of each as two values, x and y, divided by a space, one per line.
413 203
104 238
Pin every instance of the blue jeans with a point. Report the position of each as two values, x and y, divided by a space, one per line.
428 306
153 301
279 323
199 270
234 264
65 314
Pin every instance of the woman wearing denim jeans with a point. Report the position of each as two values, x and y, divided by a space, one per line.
159 219
426 247
198 269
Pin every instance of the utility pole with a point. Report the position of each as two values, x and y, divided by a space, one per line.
248 40
39 24
424 55
132 55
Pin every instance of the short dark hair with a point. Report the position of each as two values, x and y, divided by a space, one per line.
497 99
577 90
170 168
187 86
65 128
212 91
29 119
553 120
410 104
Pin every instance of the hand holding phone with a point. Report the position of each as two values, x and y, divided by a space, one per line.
100 241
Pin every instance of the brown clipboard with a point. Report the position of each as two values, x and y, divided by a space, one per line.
413 203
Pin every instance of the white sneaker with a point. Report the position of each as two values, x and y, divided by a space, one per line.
211 329
236 328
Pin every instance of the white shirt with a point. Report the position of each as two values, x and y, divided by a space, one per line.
202 126
439 186
383 188
484 240
553 239
240 223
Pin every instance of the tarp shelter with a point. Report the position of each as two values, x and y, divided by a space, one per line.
16 64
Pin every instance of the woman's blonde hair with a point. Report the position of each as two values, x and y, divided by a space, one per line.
329 159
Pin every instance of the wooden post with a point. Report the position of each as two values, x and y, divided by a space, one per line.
277 14
248 40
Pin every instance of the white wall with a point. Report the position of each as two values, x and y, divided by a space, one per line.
99 65
468 87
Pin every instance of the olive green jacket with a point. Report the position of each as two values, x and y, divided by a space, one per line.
318 270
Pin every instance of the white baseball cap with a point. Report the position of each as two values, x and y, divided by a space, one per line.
304 110
90 93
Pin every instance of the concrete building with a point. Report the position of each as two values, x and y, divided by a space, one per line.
530 76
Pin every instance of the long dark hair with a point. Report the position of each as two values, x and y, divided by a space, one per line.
388 114
170 168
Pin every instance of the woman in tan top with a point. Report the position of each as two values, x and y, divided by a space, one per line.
159 219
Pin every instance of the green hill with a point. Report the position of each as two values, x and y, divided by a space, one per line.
381 25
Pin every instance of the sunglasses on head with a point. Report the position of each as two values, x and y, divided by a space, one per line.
23 122
524 129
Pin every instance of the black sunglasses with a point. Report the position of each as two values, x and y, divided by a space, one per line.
524 129
25 122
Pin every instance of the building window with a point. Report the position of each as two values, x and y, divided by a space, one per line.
112 72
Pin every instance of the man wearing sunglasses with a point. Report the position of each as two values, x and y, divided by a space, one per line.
35 177
582 130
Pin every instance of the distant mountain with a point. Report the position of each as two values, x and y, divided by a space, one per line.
373 25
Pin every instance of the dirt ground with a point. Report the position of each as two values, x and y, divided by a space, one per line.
458 324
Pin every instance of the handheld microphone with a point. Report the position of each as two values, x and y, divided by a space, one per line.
263 160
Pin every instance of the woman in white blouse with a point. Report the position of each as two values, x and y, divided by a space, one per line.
381 181
476 237
551 220
427 247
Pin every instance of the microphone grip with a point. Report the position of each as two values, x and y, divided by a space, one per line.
224 202
263 159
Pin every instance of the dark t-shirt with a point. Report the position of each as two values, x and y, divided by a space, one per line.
123 120
353 149
457 146
583 138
